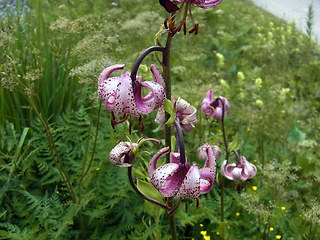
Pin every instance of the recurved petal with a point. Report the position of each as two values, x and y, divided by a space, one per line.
168 178
190 186
153 100
211 160
174 157
186 114
238 174
206 180
209 3
217 113
153 161
207 102
160 118
157 77
226 103
250 170
105 74
226 170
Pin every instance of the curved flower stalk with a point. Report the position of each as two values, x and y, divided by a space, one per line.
184 112
122 95
186 4
242 170
215 107
178 178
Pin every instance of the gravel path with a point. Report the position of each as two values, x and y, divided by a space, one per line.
294 10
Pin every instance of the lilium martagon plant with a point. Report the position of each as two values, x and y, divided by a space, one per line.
178 178
122 95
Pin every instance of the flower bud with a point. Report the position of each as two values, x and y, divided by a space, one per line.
122 154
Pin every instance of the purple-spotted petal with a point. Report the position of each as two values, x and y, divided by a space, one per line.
168 178
174 157
208 3
117 94
157 77
153 100
153 161
191 183
206 180
186 114
107 72
200 3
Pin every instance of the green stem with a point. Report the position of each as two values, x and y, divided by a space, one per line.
227 158
173 230
133 185
53 150
167 78
84 169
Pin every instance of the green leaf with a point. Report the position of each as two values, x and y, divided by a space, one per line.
234 144
168 107
148 190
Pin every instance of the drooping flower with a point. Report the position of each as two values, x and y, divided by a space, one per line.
214 108
199 3
202 152
242 170
186 5
121 95
185 113
122 154
181 179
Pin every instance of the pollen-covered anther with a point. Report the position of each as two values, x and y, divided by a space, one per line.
195 29
115 121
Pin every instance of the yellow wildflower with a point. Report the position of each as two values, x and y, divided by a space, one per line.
237 214
254 188
278 237
203 233
271 229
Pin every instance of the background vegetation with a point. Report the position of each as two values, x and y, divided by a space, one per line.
55 136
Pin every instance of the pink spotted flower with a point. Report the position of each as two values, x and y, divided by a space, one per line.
121 95
215 108
242 170
185 113
181 179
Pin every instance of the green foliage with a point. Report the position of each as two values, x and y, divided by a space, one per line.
56 180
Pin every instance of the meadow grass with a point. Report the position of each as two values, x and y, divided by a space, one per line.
50 58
